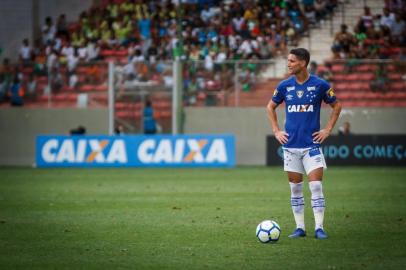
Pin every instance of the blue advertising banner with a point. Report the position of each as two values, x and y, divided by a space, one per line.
377 150
136 151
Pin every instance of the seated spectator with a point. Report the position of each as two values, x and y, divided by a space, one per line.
150 126
48 30
93 51
326 72
265 48
93 74
72 63
80 130
388 18
310 14
31 86
345 129
373 43
206 14
16 93
367 17
3 88
360 35
401 63
78 39
380 82
142 71
350 64
6 78
119 130
26 53
191 91
291 35
320 9
40 68
67 51
56 79
342 41
62 27
398 30
313 68
144 26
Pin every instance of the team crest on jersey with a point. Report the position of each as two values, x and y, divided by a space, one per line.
311 88
275 92
290 88
299 93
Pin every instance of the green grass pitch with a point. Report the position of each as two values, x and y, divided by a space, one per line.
196 219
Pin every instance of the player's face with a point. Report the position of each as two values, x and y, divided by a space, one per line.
295 65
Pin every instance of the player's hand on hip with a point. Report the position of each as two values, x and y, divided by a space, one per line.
282 137
321 135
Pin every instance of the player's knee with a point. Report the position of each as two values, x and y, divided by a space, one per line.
296 189
315 186
295 181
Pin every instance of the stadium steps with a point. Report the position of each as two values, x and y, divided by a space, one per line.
353 89
321 38
354 85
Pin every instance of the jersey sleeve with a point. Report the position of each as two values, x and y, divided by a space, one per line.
328 93
278 94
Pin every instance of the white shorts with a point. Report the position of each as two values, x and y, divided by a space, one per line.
303 160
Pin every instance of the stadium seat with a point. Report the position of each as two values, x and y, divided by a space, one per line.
120 53
166 113
101 87
106 53
337 67
397 86
394 76
86 88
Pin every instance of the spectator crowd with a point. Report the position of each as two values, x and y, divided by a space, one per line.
375 36
142 35
147 33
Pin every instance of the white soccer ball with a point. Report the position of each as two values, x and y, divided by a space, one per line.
268 231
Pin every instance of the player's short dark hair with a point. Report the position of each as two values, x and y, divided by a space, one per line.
302 54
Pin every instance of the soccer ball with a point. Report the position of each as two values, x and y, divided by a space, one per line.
268 231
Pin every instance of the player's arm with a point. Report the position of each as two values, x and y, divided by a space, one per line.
281 136
322 134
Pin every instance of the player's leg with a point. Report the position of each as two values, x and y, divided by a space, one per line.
315 164
294 168
297 203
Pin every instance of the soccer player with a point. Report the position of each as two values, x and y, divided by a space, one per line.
303 94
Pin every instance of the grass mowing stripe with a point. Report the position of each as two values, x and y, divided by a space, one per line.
195 219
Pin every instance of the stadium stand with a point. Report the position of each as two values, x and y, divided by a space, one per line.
139 36
135 34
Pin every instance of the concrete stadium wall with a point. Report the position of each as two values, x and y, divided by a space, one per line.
250 125
16 24
19 128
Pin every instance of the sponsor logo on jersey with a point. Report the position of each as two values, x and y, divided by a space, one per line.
275 92
290 88
300 108
289 97
299 93
311 88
